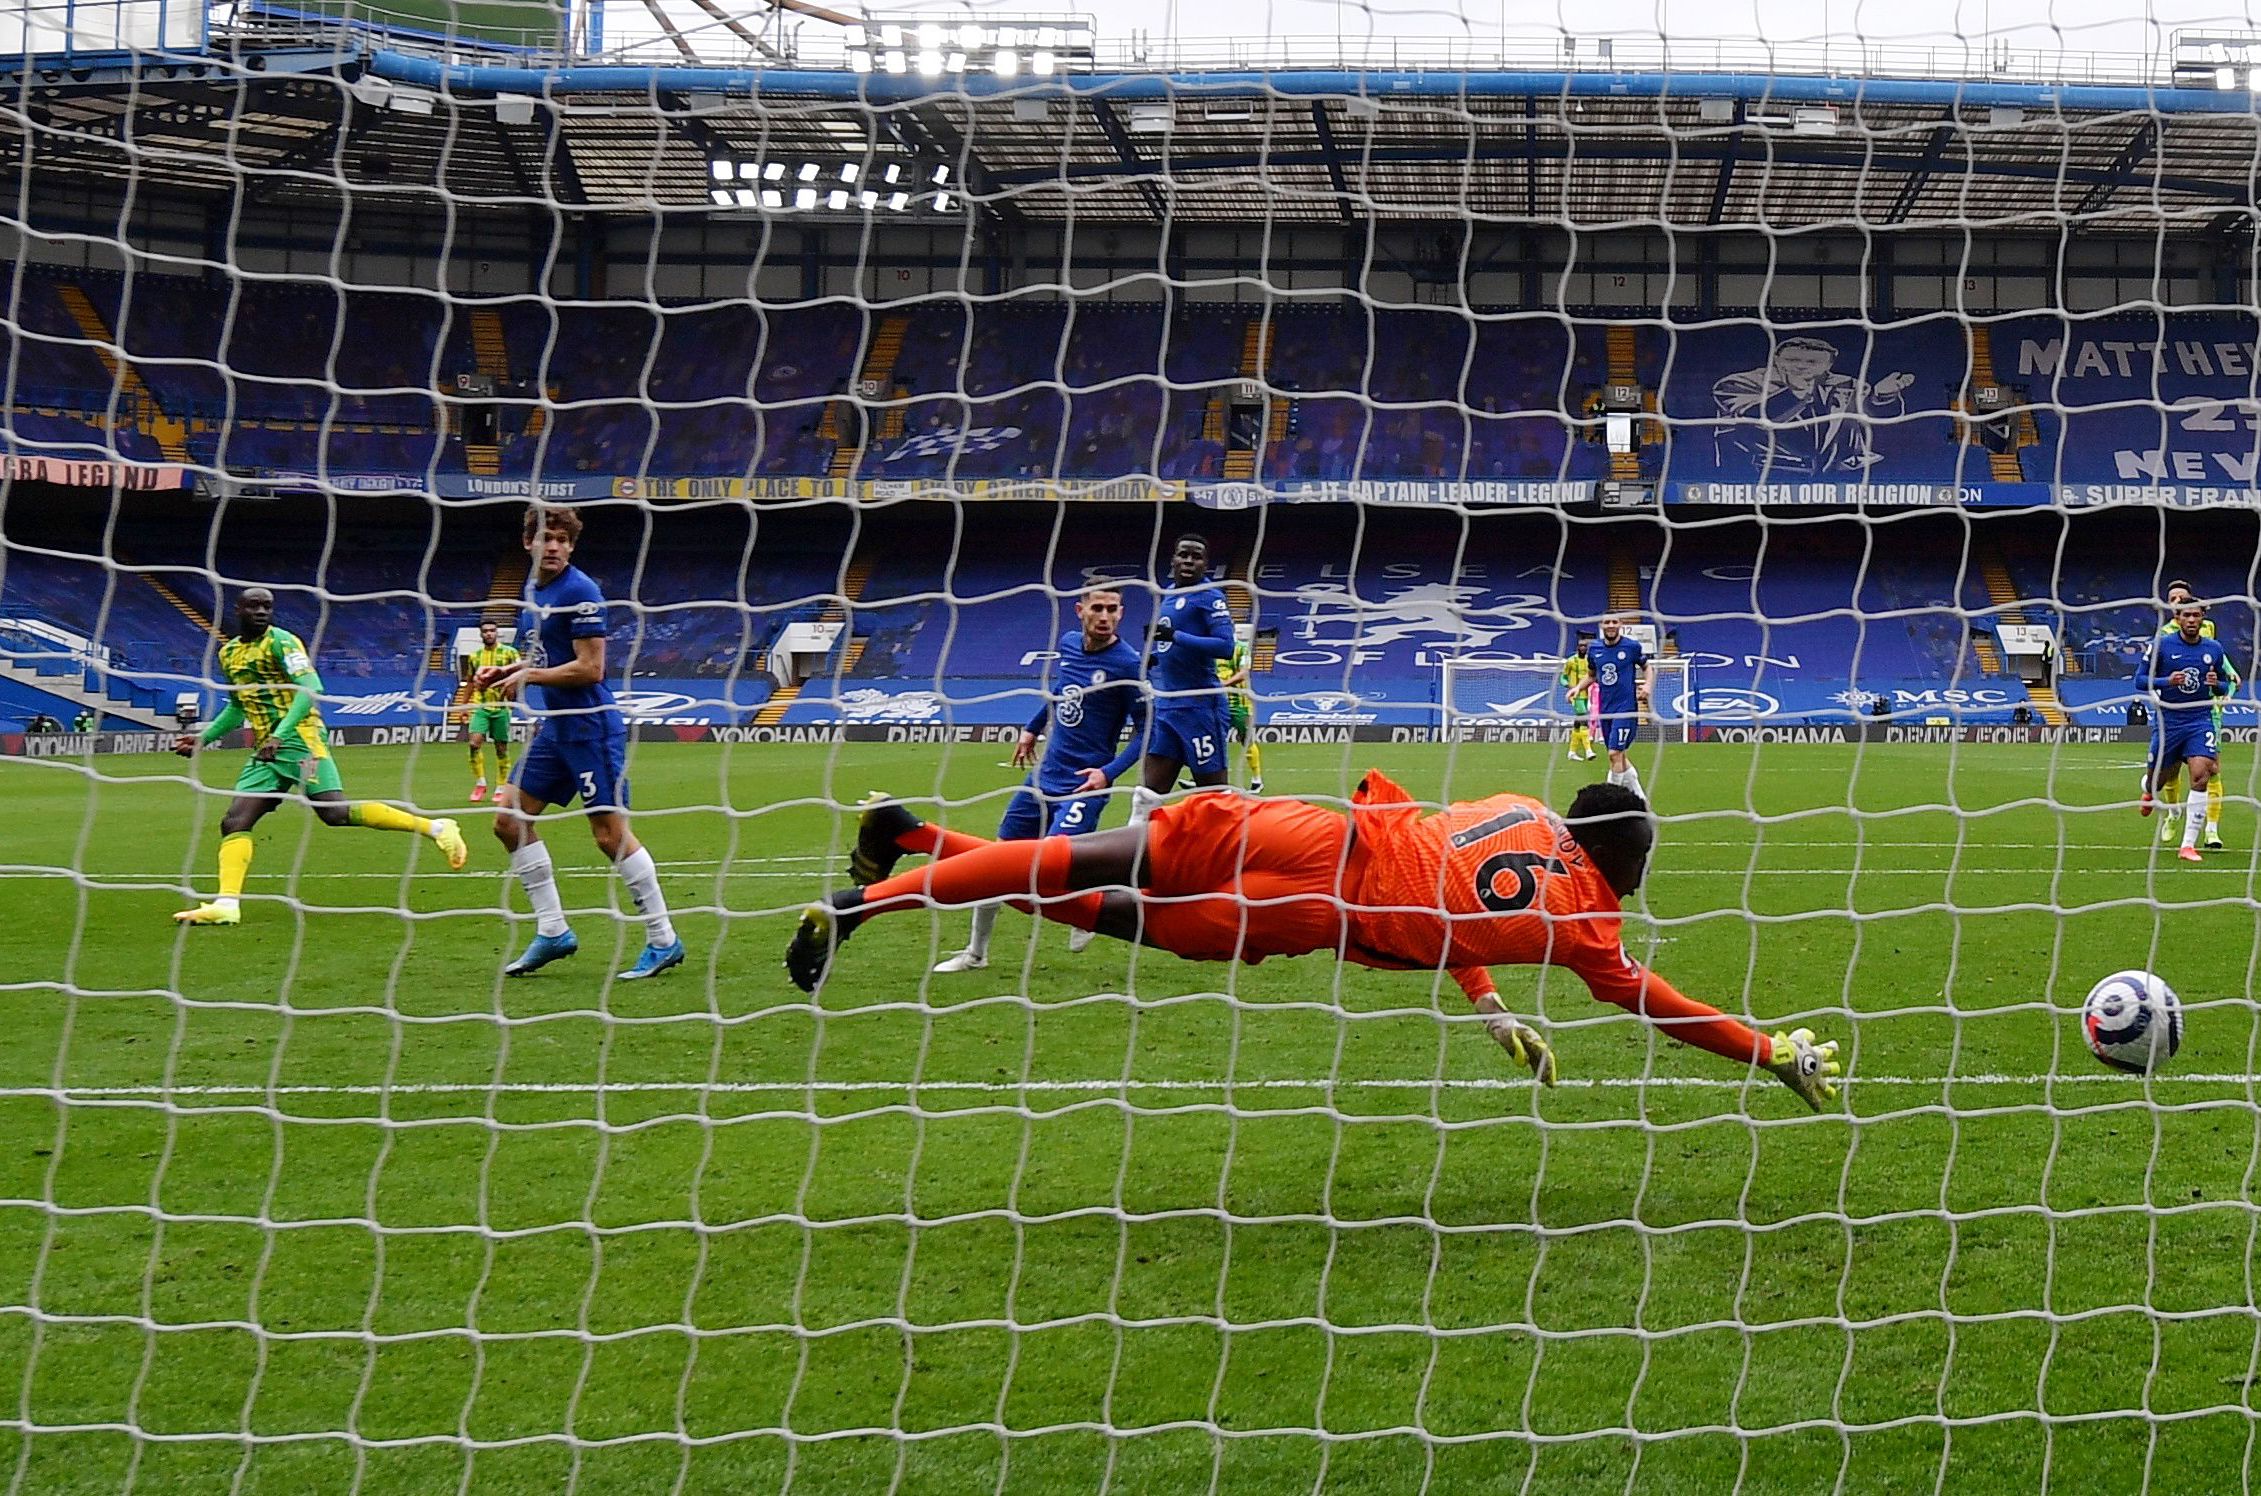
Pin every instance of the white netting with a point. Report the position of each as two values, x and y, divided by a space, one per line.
1888 411
1476 694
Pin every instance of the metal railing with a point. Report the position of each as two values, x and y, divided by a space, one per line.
634 37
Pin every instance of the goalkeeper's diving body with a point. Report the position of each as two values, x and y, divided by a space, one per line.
273 690
1223 876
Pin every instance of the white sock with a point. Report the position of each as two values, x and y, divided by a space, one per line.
530 864
984 922
643 886
2191 825
1633 781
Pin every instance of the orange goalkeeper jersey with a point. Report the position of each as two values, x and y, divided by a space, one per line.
1493 882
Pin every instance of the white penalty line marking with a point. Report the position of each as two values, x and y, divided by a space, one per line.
1083 1087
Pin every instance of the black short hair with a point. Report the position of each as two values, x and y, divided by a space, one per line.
1614 827
1193 535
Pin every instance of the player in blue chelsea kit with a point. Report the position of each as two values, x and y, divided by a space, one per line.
1623 675
1193 630
1095 694
580 752
2188 670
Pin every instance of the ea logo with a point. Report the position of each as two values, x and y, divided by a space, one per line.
1726 705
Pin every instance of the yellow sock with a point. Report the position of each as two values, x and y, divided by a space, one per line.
2214 805
2170 793
1255 757
1578 740
385 818
478 763
502 762
235 863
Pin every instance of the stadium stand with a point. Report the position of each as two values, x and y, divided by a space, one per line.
951 607
344 382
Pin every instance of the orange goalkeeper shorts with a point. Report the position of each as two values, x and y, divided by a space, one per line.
1230 877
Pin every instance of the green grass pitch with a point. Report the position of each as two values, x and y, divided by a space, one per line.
328 1205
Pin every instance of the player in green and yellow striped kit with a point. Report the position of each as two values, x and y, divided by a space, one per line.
2171 793
1240 709
490 711
273 688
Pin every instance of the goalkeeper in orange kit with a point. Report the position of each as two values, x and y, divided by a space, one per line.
1221 877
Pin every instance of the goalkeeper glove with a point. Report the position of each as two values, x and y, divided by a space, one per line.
1524 1043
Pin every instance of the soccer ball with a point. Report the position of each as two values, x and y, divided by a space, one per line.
2133 1021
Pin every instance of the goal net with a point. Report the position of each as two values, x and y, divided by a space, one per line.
1888 400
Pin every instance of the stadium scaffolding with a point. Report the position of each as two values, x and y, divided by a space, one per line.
304 114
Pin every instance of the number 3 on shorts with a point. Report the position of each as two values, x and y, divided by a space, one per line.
588 787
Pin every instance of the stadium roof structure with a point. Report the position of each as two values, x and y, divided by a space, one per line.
294 117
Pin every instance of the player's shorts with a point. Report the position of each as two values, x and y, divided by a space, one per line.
1032 813
291 768
1618 731
2178 736
1194 739
1233 877
591 770
492 722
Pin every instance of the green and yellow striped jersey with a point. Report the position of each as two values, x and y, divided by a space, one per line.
1231 665
262 671
501 655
